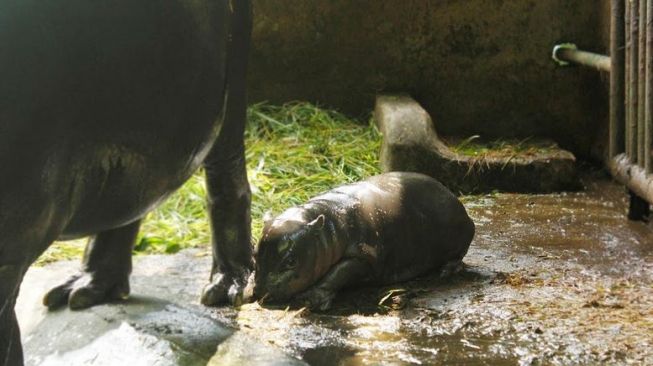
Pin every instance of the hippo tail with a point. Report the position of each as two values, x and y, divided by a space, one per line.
468 231
455 264
464 226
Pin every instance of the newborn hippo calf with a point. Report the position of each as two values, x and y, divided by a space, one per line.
387 229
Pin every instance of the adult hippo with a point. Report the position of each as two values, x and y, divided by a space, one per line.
106 108
386 229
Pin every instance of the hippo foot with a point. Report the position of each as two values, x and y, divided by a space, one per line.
84 290
451 268
317 299
228 289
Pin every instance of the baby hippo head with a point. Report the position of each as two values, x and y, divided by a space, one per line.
287 256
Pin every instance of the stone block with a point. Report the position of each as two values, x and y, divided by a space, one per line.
411 143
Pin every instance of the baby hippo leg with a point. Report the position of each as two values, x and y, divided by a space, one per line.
345 273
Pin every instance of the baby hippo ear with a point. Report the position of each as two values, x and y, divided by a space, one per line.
267 220
318 223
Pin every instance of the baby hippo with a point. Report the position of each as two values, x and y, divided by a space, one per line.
386 229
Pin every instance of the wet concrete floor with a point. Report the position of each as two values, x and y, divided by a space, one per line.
549 279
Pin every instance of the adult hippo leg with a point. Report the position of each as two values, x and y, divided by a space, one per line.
11 352
229 214
28 225
229 196
228 204
345 273
105 271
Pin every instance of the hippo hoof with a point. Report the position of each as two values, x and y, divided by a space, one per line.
82 291
317 299
225 289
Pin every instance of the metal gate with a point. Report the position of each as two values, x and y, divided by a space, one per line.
631 91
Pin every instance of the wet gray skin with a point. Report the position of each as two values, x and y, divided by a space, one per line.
387 229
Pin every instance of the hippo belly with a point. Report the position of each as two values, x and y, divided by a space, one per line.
119 187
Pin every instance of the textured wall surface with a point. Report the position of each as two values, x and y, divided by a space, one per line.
478 66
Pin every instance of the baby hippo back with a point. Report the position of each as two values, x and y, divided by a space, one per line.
413 224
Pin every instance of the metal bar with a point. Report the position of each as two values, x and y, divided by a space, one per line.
641 105
634 73
648 128
617 79
631 176
633 168
630 133
573 55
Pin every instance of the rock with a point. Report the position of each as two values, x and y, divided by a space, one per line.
162 323
411 143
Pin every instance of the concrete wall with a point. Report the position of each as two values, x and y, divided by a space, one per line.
479 66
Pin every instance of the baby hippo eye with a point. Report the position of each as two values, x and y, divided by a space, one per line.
290 263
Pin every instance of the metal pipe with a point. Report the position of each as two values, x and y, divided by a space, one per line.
615 65
617 79
641 105
633 177
648 128
634 74
568 53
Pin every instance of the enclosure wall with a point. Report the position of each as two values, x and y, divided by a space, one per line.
479 66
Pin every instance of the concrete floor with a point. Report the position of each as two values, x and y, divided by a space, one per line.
552 279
